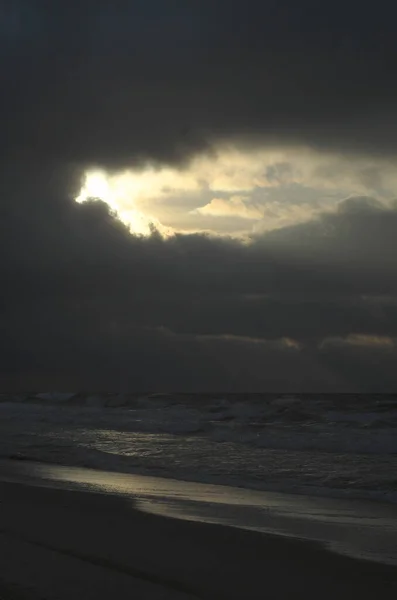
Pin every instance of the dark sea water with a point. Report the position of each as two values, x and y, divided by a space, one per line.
334 445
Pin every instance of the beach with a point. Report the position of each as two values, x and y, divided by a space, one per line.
83 533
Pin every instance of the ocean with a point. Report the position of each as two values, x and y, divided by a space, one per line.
317 444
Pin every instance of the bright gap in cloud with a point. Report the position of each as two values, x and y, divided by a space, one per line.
238 192
118 193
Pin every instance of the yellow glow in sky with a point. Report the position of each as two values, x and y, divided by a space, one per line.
236 191
118 193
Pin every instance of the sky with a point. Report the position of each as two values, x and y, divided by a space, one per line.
198 196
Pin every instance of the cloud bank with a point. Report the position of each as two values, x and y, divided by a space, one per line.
306 301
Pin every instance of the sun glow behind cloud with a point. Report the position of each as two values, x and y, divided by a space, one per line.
237 191
118 193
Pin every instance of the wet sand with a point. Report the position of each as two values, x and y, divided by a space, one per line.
58 543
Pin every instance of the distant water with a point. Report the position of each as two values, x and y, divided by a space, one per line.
320 444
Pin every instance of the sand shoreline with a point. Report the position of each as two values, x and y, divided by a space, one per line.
95 545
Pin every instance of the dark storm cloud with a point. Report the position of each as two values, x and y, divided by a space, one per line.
101 82
83 302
